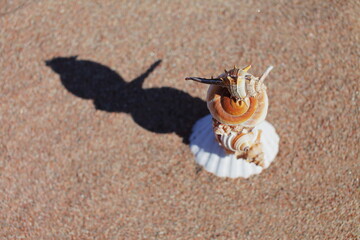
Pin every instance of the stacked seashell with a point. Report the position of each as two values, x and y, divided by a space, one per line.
238 103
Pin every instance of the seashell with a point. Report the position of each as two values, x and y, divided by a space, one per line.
237 97
227 110
238 104
209 154
238 141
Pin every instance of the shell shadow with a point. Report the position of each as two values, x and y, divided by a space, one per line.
159 110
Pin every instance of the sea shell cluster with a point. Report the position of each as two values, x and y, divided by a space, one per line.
238 102
210 155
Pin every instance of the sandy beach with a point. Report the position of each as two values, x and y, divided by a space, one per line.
95 119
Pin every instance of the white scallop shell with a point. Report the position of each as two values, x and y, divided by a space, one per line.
213 158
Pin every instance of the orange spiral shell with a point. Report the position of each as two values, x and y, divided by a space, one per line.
226 110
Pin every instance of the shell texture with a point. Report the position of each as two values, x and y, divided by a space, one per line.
238 104
209 154
227 110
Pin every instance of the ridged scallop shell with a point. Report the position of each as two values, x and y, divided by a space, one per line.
209 154
227 110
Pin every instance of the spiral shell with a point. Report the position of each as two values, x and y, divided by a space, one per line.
214 159
238 103
227 110
238 142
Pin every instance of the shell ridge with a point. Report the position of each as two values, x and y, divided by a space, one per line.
238 103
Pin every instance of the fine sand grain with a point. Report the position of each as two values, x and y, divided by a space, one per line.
95 116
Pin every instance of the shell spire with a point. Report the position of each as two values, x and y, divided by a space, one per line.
214 81
245 69
266 73
239 82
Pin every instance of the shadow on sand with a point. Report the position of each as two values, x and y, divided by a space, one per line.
160 110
